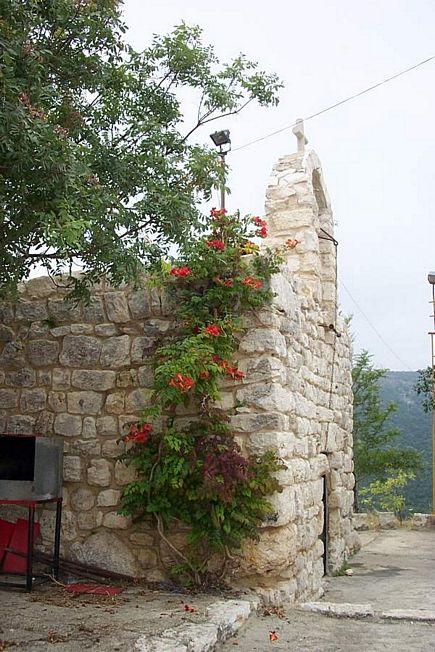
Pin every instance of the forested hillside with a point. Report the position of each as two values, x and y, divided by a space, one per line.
416 431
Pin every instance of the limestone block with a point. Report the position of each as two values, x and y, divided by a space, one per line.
270 396
82 499
285 298
360 521
38 330
109 498
82 329
44 377
89 428
127 378
94 311
6 312
87 447
31 311
44 422
72 468
139 304
12 356
60 331
253 422
284 443
61 378
106 330
85 402
124 474
42 353
157 326
6 333
147 559
47 522
99 473
226 402
33 400
67 425
115 352
136 400
93 379
261 340
156 575
113 448
420 520
388 520
142 539
283 508
115 521
141 349
264 368
285 222
8 398
115 403
89 520
20 425
145 376
57 401
106 550
276 550
63 310
80 351
107 426
116 307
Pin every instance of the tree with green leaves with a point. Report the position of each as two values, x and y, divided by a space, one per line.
375 455
425 388
96 164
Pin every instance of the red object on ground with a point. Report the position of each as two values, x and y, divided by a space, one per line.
94 589
6 529
14 564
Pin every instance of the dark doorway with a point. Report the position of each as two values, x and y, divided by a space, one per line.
324 535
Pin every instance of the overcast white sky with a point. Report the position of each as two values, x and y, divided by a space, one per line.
377 152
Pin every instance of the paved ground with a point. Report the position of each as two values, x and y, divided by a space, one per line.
138 619
395 570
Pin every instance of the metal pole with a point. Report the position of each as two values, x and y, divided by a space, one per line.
222 155
432 339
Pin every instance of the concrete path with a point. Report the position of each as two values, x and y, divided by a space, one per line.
387 604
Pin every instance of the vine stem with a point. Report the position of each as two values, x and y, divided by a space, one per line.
179 554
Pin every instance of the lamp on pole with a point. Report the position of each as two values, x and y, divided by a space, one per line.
222 140
431 279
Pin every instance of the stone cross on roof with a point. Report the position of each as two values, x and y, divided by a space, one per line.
298 131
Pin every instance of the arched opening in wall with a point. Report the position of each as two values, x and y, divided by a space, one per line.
324 536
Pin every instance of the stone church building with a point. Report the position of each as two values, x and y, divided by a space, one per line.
82 373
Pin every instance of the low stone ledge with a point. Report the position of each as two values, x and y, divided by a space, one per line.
388 521
420 615
340 610
224 619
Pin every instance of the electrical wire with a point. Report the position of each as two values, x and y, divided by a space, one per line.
336 104
370 323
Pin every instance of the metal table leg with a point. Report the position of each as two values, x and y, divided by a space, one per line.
57 539
30 526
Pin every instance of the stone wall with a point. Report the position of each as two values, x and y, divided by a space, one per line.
82 372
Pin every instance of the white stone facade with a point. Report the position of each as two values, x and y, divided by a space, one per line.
82 372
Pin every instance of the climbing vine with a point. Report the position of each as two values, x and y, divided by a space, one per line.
190 469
